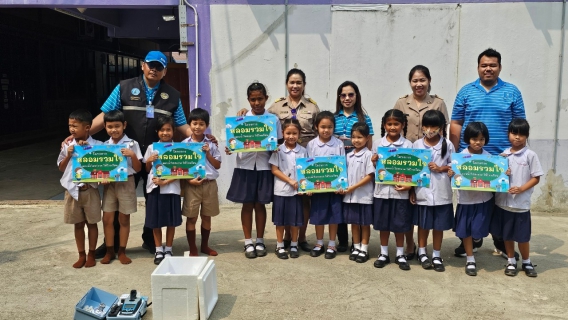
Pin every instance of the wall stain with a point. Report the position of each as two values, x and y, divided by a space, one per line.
218 123
554 195
539 106
564 104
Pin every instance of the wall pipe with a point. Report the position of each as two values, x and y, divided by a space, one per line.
195 17
559 96
286 42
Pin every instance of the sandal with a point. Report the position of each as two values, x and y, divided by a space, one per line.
262 251
530 272
511 269
250 254
438 266
424 261
281 253
354 254
471 271
402 263
330 254
362 257
316 253
294 253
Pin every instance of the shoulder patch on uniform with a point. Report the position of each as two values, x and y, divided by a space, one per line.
404 97
436 96
312 101
279 99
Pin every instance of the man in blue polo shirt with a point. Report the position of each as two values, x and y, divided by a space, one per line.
492 101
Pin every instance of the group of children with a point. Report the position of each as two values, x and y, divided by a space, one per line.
263 177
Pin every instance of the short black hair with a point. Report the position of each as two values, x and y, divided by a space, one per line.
114 116
161 120
256 86
473 130
491 53
519 126
199 114
362 128
82 115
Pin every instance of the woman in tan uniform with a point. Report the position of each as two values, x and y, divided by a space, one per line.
296 106
414 105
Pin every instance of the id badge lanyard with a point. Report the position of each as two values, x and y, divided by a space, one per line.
150 93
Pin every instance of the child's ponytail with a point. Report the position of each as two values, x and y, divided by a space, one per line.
444 143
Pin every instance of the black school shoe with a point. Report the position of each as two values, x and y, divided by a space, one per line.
530 272
281 253
250 254
402 263
460 250
439 267
342 247
305 246
381 263
362 257
261 252
354 254
294 253
424 261
511 269
316 253
158 257
330 255
471 271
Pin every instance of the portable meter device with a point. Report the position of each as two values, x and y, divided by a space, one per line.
132 307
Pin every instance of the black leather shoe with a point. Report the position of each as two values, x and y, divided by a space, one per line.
101 251
439 267
158 257
362 257
330 255
471 271
305 246
150 249
511 269
260 252
342 247
530 272
250 254
402 263
316 253
354 254
424 261
281 253
294 253
381 263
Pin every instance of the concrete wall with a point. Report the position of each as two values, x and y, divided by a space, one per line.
376 49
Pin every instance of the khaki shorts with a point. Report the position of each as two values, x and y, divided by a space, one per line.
88 208
120 196
205 195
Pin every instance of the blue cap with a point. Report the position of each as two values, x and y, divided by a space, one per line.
157 56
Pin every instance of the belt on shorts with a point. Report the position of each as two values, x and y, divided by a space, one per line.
84 187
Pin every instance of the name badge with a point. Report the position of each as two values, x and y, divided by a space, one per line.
150 111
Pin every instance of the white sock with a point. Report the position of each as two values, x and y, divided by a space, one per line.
528 261
357 246
279 244
421 251
399 251
385 250
168 249
259 240
292 245
436 254
247 242
512 260
331 243
365 247
160 249
319 245
470 259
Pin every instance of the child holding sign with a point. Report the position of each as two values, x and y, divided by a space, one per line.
358 199
326 208
287 209
514 207
163 207
473 213
201 192
82 200
391 207
434 209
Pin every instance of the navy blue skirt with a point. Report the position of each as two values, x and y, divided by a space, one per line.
358 213
515 226
162 210
394 215
251 186
434 217
473 220
288 211
326 208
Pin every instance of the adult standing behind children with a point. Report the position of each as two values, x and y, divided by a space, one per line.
296 106
495 103
415 105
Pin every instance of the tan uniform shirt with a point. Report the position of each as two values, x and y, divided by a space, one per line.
306 112
414 114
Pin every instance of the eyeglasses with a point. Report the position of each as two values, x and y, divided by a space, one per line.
294 111
155 65
345 95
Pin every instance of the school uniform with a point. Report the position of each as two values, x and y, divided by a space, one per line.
121 196
391 208
82 202
287 208
305 112
326 207
358 205
252 179
512 217
474 211
434 209
203 198
163 207
414 113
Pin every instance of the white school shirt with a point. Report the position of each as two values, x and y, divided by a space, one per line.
359 165
317 148
172 188
210 172
440 190
136 148
248 160
387 191
474 197
285 160
524 165
67 178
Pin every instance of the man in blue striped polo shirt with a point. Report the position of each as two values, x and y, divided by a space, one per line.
492 101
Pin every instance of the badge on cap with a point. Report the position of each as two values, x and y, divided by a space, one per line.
135 91
164 95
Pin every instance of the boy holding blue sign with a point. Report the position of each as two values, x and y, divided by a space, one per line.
201 192
82 200
120 196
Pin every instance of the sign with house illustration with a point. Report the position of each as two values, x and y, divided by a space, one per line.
476 172
403 166
321 174
252 133
99 163
179 160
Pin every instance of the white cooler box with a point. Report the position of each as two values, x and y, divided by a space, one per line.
184 288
